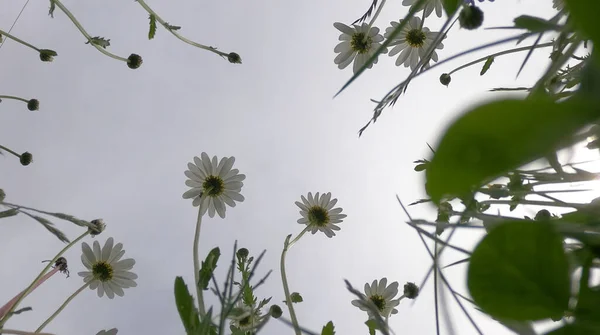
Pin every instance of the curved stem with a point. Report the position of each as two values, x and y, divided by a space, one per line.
85 33
30 287
176 34
505 52
533 203
20 332
8 150
288 300
13 97
197 266
64 304
3 33
9 304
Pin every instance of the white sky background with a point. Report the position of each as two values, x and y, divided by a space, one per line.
113 143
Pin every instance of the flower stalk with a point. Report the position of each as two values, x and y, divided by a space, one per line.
16 39
64 304
288 300
9 304
199 293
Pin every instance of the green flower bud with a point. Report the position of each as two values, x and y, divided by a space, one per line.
234 58
134 61
411 290
242 253
543 215
26 158
445 79
470 17
2 195
47 55
97 226
33 105
275 311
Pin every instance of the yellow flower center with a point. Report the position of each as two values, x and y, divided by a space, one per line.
361 44
379 301
415 38
102 271
318 216
213 186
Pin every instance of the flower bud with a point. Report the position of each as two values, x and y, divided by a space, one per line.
543 215
26 158
134 61
47 55
234 58
2 195
411 290
470 17
97 226
33 104
275 311
445 79
242 253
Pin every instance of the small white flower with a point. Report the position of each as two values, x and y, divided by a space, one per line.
247 318
113 331
429 5
213 184
319 215
380 296
108 273
412 42
357 45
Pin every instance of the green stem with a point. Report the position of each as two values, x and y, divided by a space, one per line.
288 300
501 53
533 203
8 150
16 39
13 97
374 18
176 34
30 287
201 310
20 332
64 304
85 33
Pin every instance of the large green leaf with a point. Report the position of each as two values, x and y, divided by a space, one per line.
519 271
185 307
208 267
584 14
497 137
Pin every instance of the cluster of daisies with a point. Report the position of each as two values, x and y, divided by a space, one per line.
360 42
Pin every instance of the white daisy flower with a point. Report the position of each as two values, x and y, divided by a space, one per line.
108 273
213 184
429 5
113 331
357 45
319 215
412 42
381 296
247 318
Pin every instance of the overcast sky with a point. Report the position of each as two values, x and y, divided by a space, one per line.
113 143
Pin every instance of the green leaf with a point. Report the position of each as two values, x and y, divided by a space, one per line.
185 307
372 324
486 66
152 30
534 24
519 271
328 329
497 137
9 213
208 267
584 15
451 6
296 297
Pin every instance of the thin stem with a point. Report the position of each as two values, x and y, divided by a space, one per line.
85 33
20 332
288 300
8 150
64 304
374 18
13 97
30 287
201 310
9 304
16 39
501 53
176 34
532 202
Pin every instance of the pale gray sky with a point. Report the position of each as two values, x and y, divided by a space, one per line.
113 143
